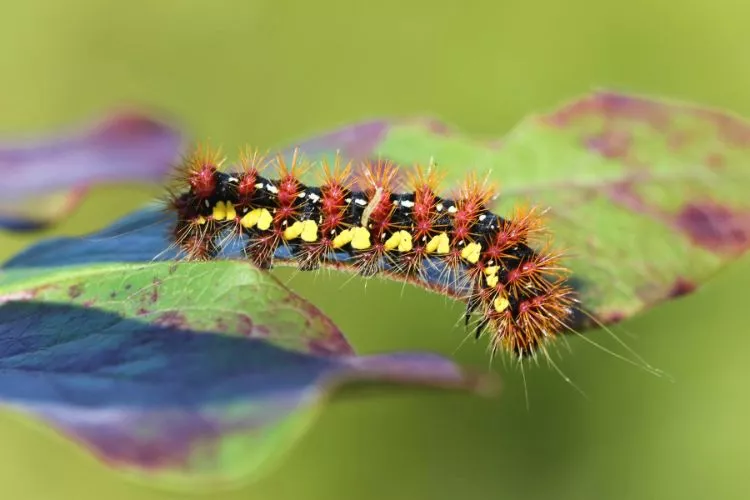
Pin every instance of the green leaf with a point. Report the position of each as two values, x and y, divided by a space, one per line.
186 374
647 197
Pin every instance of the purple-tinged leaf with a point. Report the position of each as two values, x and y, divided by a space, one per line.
181 373
123 147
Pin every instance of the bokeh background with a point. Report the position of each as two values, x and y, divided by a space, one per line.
269 72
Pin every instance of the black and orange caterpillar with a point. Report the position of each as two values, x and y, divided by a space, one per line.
364 223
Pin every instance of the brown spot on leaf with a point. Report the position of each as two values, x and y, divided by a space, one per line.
331 345
439 128
716 161
681 287
221 325
715 227
154 296
260 331
732 130
75 291
679 139
245 325
610 143
172 319
142 311
624 193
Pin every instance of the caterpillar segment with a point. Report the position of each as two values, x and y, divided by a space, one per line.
360 219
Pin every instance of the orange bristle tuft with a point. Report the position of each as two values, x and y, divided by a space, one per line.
293 170
336 174
425 181
377 175
473 193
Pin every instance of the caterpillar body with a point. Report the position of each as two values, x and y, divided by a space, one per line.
369 223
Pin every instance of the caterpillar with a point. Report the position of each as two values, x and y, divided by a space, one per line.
373 220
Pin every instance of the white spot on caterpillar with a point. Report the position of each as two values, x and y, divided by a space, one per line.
452 209
407 203
271 188
482 217
361 202
302 195
314 197
439 207
205 202
259 185
233 179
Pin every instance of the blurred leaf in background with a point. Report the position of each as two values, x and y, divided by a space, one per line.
44 179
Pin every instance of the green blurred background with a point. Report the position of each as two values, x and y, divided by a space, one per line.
268 72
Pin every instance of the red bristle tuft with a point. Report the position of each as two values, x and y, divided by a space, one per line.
335 185
473 198
425 185
289 186
251 163
336 181
378 182
200 170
